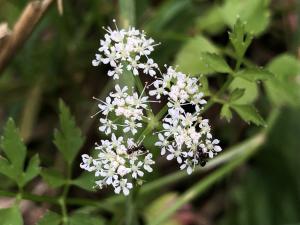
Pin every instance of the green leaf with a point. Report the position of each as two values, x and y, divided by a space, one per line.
204 85
236 94
226 112
53 177
11 216
251 90
8 170
166 13
15 151
188 58
284 66
211 21
283 88
85 181
240 39
254 13
13 147
50 218
214 63
254 74
68 139
249 114
33 169
159 205
85 219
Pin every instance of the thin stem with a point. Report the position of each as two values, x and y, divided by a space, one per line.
130 205
218 94
127 18
225 86
55 201
127 13
62 200
162 112
140 87
138 83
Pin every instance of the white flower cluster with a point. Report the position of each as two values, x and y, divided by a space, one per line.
126 48
118 162
186 136
127 111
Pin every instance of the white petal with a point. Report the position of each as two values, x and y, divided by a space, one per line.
125 191
170 157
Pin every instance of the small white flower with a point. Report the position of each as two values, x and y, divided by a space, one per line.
97 61
131 125
87 162
133 65
163 143
122 170
107 126
159 89
149 67
175 153
112 57
122 185
136 169
106 106
120 92
148 162
118 70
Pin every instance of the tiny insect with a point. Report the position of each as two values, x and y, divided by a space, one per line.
135 149
203 156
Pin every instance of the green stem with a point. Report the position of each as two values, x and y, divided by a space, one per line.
218 95
161 113
127 13
63 198
140 87
138 83
55 201
130 205
127 18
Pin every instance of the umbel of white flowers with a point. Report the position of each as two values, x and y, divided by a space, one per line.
126 48
122 160
186 136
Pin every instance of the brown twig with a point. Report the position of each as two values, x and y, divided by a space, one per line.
30 17
4 33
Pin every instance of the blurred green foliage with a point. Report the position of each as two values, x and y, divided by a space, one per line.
268 191
55 63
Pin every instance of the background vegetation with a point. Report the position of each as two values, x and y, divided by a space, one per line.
48 83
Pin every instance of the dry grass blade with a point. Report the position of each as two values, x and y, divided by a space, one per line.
60 7
31 15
